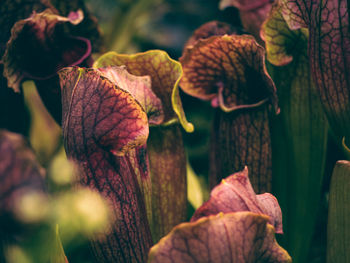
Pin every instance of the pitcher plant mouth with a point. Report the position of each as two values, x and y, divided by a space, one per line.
25 59
223 77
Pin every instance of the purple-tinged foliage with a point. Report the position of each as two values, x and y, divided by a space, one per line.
102 127
329 53
253 13
230 71
235 225
165 148
42 42
235 194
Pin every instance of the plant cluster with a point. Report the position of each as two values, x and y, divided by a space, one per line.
92 156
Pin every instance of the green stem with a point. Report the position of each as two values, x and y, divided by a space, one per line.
338 232
299 138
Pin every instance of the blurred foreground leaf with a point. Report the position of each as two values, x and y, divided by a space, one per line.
44 133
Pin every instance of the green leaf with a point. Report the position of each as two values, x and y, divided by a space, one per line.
44 133
58 256
195 189
338 231
299 133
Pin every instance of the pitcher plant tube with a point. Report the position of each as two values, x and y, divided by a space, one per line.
328 50
165 145
299 134
230 71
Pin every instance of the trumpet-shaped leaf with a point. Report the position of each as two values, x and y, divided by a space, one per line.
39 46
13 11
328 49
165 74
221 232
102 127
168 171
40 43
299 133
281 49
230 71
16 118
166 152
42 32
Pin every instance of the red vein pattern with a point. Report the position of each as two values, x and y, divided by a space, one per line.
329 52
141 89
235 194
165 147
242 139
209 29
102 126
169 186
299 134
241 237
164 72
230 71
